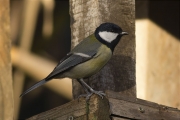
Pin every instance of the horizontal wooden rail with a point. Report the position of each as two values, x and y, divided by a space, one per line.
39 68
115 106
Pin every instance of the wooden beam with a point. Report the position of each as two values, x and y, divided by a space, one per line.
119 74
6 92
29 63
134 108
114 106
95 109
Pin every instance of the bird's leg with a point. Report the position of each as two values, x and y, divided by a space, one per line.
92 91
85 89
88 94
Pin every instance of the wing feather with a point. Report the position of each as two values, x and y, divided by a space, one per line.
90 45
70 61
75 57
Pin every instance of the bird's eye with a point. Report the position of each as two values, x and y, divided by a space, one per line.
111 30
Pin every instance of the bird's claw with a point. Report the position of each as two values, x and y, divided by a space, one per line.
88 95
100 93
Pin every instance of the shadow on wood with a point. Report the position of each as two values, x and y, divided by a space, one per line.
119 74
125 84
115 106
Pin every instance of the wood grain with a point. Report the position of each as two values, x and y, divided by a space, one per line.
119 74
134 108
95 109
118 118
158 53
6 94
114 106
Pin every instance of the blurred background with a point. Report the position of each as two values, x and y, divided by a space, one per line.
41 36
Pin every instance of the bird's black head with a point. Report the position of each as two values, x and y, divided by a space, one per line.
109 34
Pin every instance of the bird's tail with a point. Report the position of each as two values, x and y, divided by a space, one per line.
34 87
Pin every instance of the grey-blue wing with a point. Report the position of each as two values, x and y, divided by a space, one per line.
68 62
90 48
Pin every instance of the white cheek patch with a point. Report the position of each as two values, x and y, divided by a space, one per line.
108 36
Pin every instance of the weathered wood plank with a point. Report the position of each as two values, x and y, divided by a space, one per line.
95 109
115 95
119 74
72 109
6 91
115 107
134 108
157 63
98 108
118 118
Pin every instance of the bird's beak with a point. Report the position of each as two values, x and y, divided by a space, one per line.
123 33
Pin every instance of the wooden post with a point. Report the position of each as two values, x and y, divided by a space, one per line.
158 49
119 74
26 38
6 94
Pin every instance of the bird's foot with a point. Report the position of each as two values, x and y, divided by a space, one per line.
99 93
88 95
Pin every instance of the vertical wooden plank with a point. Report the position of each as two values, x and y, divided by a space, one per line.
163 69
142 9
158 52
6 95
30 12
119 74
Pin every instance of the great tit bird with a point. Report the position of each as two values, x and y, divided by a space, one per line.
87 58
